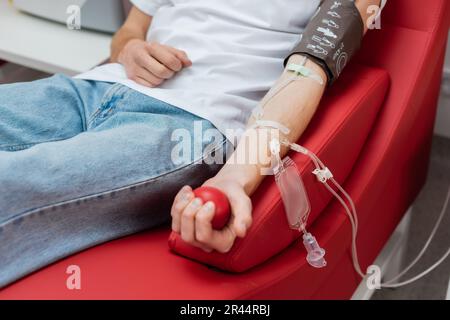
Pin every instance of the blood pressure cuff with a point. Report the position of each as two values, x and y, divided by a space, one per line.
333 35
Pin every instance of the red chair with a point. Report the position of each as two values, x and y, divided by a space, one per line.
373 129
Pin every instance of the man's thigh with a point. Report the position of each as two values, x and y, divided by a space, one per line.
46 110
39 237
129 149
118 178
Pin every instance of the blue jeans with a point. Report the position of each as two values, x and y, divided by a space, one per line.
84 162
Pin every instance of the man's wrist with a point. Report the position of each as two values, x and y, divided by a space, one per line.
246 175
250 159
119 45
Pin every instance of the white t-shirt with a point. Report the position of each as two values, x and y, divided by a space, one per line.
237 48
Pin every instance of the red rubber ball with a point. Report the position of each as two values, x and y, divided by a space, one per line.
222 212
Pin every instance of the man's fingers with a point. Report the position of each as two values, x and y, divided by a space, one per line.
241 207
181 195
203 228
222 240
182 199
149 77
182 56
206 236
167 58
188 220
154 66
143 82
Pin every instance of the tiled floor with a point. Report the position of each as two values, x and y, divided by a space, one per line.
425 211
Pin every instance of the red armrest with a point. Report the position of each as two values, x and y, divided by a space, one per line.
337 135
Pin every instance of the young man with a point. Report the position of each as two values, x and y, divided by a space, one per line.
88 159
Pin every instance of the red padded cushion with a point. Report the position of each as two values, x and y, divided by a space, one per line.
413 14
337 135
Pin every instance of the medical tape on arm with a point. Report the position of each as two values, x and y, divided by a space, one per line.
295 72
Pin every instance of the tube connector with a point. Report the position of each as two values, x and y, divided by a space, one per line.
316 254
323 175
296 147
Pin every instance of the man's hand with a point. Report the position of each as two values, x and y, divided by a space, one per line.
149 64
192 219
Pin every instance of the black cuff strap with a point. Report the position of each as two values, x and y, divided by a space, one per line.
332 37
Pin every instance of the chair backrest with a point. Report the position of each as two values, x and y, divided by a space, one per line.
405 20
414 14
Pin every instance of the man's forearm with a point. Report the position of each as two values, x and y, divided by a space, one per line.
293 108
135 27
120 39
